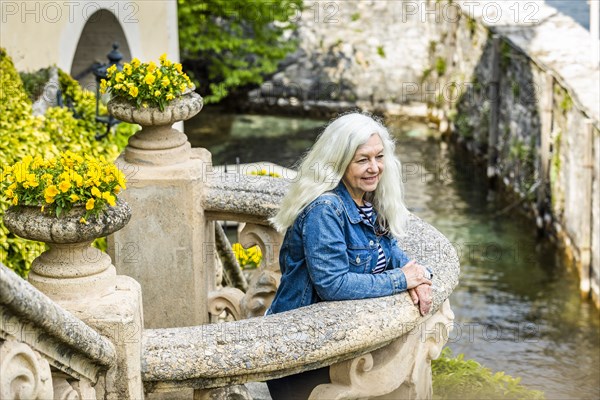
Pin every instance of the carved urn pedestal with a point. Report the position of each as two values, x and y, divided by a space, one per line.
157 143
83 280
165 245
71 269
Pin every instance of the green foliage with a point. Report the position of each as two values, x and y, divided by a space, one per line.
463 126
440 66
381 51
432 46
472 26
33 82
457 378
355 16
566 103
516 90
23 134
226 44
505 55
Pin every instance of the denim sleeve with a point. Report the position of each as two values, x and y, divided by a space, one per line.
398 258
328 265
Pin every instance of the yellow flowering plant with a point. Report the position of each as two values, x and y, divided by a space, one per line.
147 84
247 258
60 183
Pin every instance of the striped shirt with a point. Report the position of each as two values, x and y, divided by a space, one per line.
366 212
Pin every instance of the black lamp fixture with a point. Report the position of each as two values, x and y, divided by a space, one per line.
99 70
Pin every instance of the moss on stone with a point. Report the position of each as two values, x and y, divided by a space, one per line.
440 66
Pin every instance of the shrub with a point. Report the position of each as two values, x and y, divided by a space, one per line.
22 134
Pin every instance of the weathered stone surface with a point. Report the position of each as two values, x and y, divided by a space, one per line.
244 198
30 223
168 246
31 317
24 373
179 109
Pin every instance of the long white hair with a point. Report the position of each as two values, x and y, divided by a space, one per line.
324 165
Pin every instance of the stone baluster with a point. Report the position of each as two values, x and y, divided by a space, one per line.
264 282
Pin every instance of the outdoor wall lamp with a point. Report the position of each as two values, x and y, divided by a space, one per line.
99 71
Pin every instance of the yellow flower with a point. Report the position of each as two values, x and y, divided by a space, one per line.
15 200
121 180
170 96
64 186
110 199
163 58
182 87
111 70
151 66
51 191
149 79
82 220
119 77
127 69
78 179
90 204
135 63
179 68
31 181
165 81
133 91
20 172
74 198
96 192
156 93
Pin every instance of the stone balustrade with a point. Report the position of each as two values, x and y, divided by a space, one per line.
244 198
46 352
354 337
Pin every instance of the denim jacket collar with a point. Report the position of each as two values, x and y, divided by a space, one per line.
348 202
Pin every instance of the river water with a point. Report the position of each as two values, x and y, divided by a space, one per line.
517 305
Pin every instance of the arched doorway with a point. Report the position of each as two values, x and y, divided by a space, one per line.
99 33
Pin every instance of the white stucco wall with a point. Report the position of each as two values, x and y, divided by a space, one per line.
39 33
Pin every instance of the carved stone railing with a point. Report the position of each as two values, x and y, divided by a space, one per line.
384 337
345 334
45 351
250 200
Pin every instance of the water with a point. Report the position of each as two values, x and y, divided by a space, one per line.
517 306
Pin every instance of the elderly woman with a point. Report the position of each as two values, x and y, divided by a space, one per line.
342 218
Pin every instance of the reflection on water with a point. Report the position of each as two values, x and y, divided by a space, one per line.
517 305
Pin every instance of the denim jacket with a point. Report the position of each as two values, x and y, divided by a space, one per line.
329 253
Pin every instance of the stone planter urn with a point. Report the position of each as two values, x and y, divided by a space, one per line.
157 143
71 269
